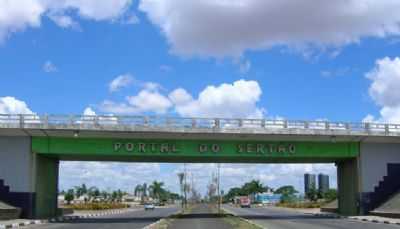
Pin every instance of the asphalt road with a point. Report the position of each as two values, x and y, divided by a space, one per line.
134 219
201 216
283 219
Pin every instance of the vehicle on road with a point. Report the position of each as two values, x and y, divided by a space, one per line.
149 206
245 202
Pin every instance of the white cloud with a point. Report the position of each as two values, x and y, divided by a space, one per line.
89 112
63 20
149 101
49 67
237 100
11 105
229 28
384 89
146 100
17 15
180 97
107 175
121 81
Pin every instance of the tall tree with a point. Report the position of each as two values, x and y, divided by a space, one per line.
156 189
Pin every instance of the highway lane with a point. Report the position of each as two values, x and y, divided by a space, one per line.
132 220
273 218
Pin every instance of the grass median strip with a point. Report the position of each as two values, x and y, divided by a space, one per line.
238 222
166 222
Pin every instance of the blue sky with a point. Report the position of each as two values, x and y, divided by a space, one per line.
310 62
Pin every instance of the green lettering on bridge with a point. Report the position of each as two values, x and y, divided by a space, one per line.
157 150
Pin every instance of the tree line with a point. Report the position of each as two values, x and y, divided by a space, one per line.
155 190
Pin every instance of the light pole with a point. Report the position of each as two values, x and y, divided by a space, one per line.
218 188
181 177
185 184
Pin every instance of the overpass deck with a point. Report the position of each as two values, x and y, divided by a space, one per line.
161 127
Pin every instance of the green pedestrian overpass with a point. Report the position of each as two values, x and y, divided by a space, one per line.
367 155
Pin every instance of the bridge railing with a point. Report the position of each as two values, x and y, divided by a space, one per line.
127 122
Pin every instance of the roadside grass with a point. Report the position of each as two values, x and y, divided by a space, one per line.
235 221
167 222
239 223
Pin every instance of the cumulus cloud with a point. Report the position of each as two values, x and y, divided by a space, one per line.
384 89
228 28
18 15
148 99
107 175
120 81
236 100
11 105
89 112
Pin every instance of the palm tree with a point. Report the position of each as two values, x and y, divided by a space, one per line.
80 190
138 190
253 187
156 189
93 192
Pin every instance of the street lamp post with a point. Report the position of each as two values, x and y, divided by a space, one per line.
185 184
218 188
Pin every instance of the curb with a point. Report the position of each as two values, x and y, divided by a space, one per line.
385 221
153 225
60 219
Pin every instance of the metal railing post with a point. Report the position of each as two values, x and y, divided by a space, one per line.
96 121
367 127
21 121
71 120
386 129
216 123
46 121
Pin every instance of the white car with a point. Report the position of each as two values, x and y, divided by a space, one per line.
149 207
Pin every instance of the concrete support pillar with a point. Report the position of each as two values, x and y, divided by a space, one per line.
348 187
27 180
46 186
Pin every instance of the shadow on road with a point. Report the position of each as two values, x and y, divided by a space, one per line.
199 216
113 220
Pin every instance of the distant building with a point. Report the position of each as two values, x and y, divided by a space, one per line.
309 182
323 183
